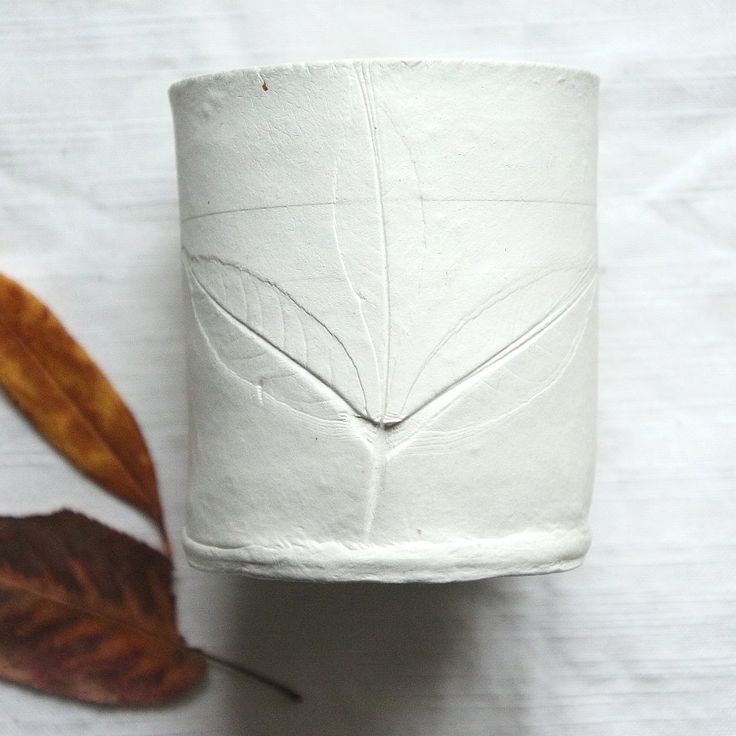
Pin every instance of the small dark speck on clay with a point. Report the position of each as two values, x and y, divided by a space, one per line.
264 87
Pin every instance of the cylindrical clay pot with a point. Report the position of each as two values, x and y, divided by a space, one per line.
391 294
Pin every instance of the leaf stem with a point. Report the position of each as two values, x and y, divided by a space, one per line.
240 669
165 542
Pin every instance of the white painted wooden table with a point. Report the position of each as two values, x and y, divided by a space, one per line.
642 639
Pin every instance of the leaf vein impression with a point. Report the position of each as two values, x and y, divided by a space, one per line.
334 201
491 302
343 265
258 386
368 94
578 290
229 315
584 285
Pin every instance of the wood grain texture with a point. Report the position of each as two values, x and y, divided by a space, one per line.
641 639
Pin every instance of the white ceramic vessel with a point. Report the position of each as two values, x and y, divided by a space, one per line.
391 279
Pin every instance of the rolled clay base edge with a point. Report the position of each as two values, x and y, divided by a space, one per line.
529 552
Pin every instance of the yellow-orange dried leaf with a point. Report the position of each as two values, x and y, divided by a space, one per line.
88 612
70 401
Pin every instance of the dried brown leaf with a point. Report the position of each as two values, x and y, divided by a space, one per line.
88 612
72 404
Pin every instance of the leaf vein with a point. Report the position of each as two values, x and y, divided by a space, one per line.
229 315
368 95
193 259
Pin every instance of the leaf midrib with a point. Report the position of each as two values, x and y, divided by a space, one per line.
126 623
88 419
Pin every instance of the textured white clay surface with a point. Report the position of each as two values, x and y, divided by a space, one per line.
392 330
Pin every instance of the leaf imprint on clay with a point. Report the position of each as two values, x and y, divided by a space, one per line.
200 268
398 407
297 328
